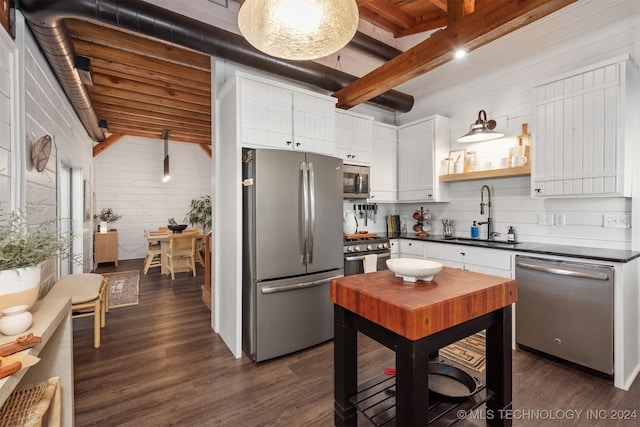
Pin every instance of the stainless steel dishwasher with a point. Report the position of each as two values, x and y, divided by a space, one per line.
565 309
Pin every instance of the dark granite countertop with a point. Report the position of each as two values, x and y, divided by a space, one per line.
612 255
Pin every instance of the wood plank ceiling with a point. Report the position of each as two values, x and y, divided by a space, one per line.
143 86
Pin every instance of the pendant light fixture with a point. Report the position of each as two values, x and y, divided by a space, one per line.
166 176
298 29
481 130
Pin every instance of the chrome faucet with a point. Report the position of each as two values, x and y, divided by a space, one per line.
489 221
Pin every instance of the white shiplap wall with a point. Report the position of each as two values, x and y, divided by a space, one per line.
47 111
8 75
129 180
498 78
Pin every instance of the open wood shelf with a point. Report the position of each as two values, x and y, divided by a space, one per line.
376 401
491 173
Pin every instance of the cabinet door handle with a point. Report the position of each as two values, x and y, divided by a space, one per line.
463 253
298 144
537 190
288 142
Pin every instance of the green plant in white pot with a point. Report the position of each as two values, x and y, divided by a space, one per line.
23 252
106 217
200 213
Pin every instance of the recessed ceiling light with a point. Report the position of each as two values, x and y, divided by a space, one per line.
460 53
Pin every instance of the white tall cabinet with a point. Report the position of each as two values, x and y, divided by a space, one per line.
420 145
384 183
582 132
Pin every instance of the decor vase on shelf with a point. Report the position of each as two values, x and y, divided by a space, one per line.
15 320
106 216
24 252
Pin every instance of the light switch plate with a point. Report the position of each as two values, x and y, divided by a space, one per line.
545 219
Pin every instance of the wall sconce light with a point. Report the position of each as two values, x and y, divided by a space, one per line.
166 177
82 68
481 130
298 29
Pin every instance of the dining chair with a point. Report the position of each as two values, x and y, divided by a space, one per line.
154 252
182 248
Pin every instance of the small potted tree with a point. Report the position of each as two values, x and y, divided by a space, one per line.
200 213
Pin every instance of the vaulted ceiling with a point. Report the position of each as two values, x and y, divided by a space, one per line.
142 86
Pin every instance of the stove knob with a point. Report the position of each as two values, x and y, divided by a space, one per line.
350 248
369 247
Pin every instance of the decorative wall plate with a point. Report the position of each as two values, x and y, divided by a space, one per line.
40 152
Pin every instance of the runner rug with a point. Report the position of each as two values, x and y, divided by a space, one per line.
468 352
123 288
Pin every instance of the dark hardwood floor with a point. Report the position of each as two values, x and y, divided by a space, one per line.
161 364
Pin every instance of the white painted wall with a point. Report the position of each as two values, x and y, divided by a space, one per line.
128 177
498 78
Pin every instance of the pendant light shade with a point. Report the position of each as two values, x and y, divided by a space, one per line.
165 176
298 29
481 130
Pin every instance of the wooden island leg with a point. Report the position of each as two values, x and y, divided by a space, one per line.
345 352
412 387
499 369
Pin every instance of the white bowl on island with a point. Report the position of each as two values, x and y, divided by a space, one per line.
414 269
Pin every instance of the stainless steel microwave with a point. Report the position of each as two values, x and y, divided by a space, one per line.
355 182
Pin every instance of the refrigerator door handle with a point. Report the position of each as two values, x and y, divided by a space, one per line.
304 255
296 286
312 212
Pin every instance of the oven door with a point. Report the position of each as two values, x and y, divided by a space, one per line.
354 264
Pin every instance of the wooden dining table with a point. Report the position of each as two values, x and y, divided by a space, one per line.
163 237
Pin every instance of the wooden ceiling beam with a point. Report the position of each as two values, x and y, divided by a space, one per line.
389 11
458 9
497 19
101 146
206 149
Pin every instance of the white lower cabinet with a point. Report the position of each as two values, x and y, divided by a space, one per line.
394 246
488 261
412 249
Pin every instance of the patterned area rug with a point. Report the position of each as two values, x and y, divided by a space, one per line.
123 288
468 352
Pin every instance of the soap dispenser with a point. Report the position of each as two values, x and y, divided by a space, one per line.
511 234
475 232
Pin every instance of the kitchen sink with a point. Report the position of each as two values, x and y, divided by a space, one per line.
485 243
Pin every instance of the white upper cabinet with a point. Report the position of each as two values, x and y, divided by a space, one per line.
275 115
581 132
420 145
354 134
384 183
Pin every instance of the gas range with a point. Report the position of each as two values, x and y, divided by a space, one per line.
365 245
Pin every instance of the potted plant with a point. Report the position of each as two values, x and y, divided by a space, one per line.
106 216
23 251
200 212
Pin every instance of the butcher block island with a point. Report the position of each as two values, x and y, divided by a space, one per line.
415 320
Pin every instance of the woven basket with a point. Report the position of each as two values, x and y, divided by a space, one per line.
28 405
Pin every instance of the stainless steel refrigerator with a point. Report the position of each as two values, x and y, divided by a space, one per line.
292 247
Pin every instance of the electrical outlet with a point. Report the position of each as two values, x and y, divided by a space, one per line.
616 221
558 219
545 219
